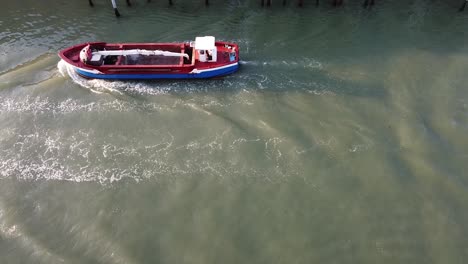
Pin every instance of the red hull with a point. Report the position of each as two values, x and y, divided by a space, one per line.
124 67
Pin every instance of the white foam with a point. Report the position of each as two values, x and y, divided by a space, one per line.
102 86
308 63
255 63
62 67
40 156
40 105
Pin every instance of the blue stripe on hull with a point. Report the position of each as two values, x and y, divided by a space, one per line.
202 75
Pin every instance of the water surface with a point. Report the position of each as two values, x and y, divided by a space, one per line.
342 139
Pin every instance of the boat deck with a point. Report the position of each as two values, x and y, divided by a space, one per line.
148 60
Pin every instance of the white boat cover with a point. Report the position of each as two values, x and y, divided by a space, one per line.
139 52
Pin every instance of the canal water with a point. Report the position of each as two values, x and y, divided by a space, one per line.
342 139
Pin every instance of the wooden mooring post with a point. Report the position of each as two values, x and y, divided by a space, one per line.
463 6
116 11
335 3
368 3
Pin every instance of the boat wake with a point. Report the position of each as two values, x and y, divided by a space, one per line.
156 87
105 86
305 63
95 86
245 79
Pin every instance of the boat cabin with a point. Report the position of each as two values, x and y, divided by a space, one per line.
205 49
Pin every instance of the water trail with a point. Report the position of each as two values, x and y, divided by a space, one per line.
66 69
153 161
306 63
62 68
241 79
255 63
119 87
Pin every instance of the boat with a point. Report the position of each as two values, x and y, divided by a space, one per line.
200 59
